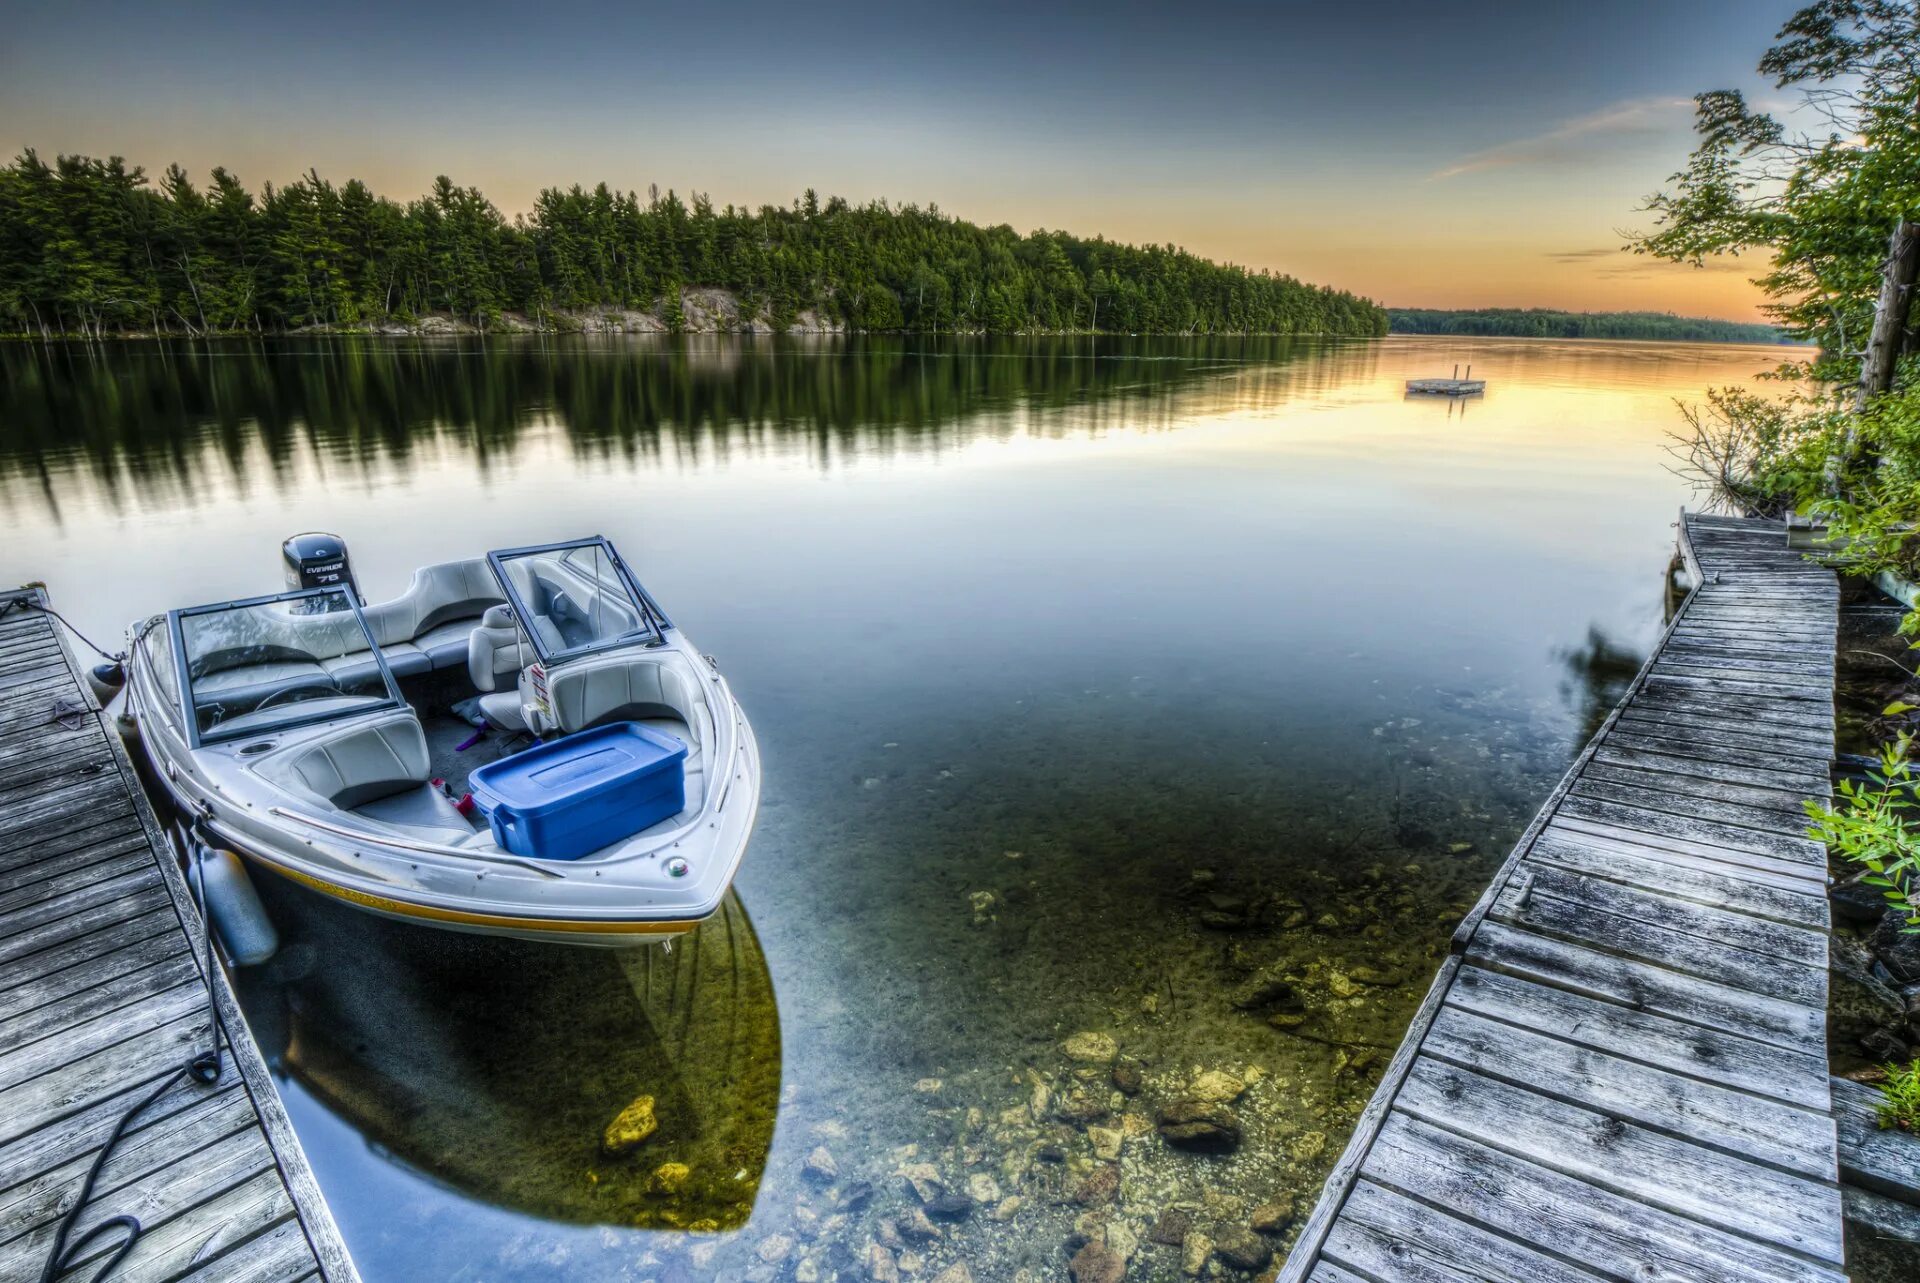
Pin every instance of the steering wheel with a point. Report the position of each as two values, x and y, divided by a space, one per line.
275 696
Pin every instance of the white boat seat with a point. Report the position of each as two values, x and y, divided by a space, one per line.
358 764
405 659
495 656
445 593
627 689
445 646
434 616
377 770
422 809
495 653
503 711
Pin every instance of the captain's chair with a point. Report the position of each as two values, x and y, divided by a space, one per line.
495 656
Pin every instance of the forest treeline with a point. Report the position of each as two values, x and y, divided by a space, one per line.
1545 323
91 247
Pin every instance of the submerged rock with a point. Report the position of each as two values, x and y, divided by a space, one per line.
1091 1046
820 1166
1195 1253
1127 1077
914 1227
1267 987
949 1205
1200 1124
1273 1216
1081 1107
631 1127
669 1178
955 1273
1243 1250
881 1267
1101 1186
1171 1229
1218 1086
1097 1263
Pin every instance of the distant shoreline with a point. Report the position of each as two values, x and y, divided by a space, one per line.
1553 323
1590 338
612 323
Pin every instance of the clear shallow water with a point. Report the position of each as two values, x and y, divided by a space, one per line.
1091 678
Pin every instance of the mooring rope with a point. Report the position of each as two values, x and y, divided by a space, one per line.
204 1068
28 603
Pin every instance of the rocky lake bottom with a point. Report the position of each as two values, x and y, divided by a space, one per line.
1042 1061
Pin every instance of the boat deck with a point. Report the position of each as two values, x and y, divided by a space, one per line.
1620 1072
102 998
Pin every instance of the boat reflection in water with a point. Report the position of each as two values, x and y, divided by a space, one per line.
493 1066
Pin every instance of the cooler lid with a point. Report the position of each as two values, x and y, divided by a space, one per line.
576 766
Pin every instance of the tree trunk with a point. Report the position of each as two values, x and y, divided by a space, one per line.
1884 342
1890 313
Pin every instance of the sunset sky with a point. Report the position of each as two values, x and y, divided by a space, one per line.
1423 154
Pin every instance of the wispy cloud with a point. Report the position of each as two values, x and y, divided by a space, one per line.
1573 137
1581 255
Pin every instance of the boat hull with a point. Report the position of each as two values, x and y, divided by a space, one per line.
264 845
593 934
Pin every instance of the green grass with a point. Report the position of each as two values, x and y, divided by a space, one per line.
1901 1106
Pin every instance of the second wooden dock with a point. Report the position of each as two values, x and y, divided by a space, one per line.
1621 1070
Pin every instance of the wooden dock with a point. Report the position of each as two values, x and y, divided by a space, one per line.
1620 1072
102 998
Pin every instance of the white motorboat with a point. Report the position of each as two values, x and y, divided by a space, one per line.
600 788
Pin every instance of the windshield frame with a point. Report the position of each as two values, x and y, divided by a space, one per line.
190 721
658 625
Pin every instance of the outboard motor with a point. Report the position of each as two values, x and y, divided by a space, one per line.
317 560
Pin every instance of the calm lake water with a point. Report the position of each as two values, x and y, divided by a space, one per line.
1094 679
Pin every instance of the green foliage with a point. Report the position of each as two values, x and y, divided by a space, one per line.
1545 323
1855 471
1871 826
1821 206
1900 1098
90 247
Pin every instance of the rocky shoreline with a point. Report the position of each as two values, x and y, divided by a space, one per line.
1874 1003
702 311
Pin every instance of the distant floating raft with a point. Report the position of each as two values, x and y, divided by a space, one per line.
1455 386
1447 387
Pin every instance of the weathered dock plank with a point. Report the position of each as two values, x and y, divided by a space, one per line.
103 999
1620 1071
1885 1162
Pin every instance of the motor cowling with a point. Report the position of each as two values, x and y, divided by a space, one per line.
317 560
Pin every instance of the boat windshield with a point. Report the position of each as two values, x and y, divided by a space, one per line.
576 598
246 667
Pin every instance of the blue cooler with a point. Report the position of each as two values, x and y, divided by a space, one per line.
570 797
